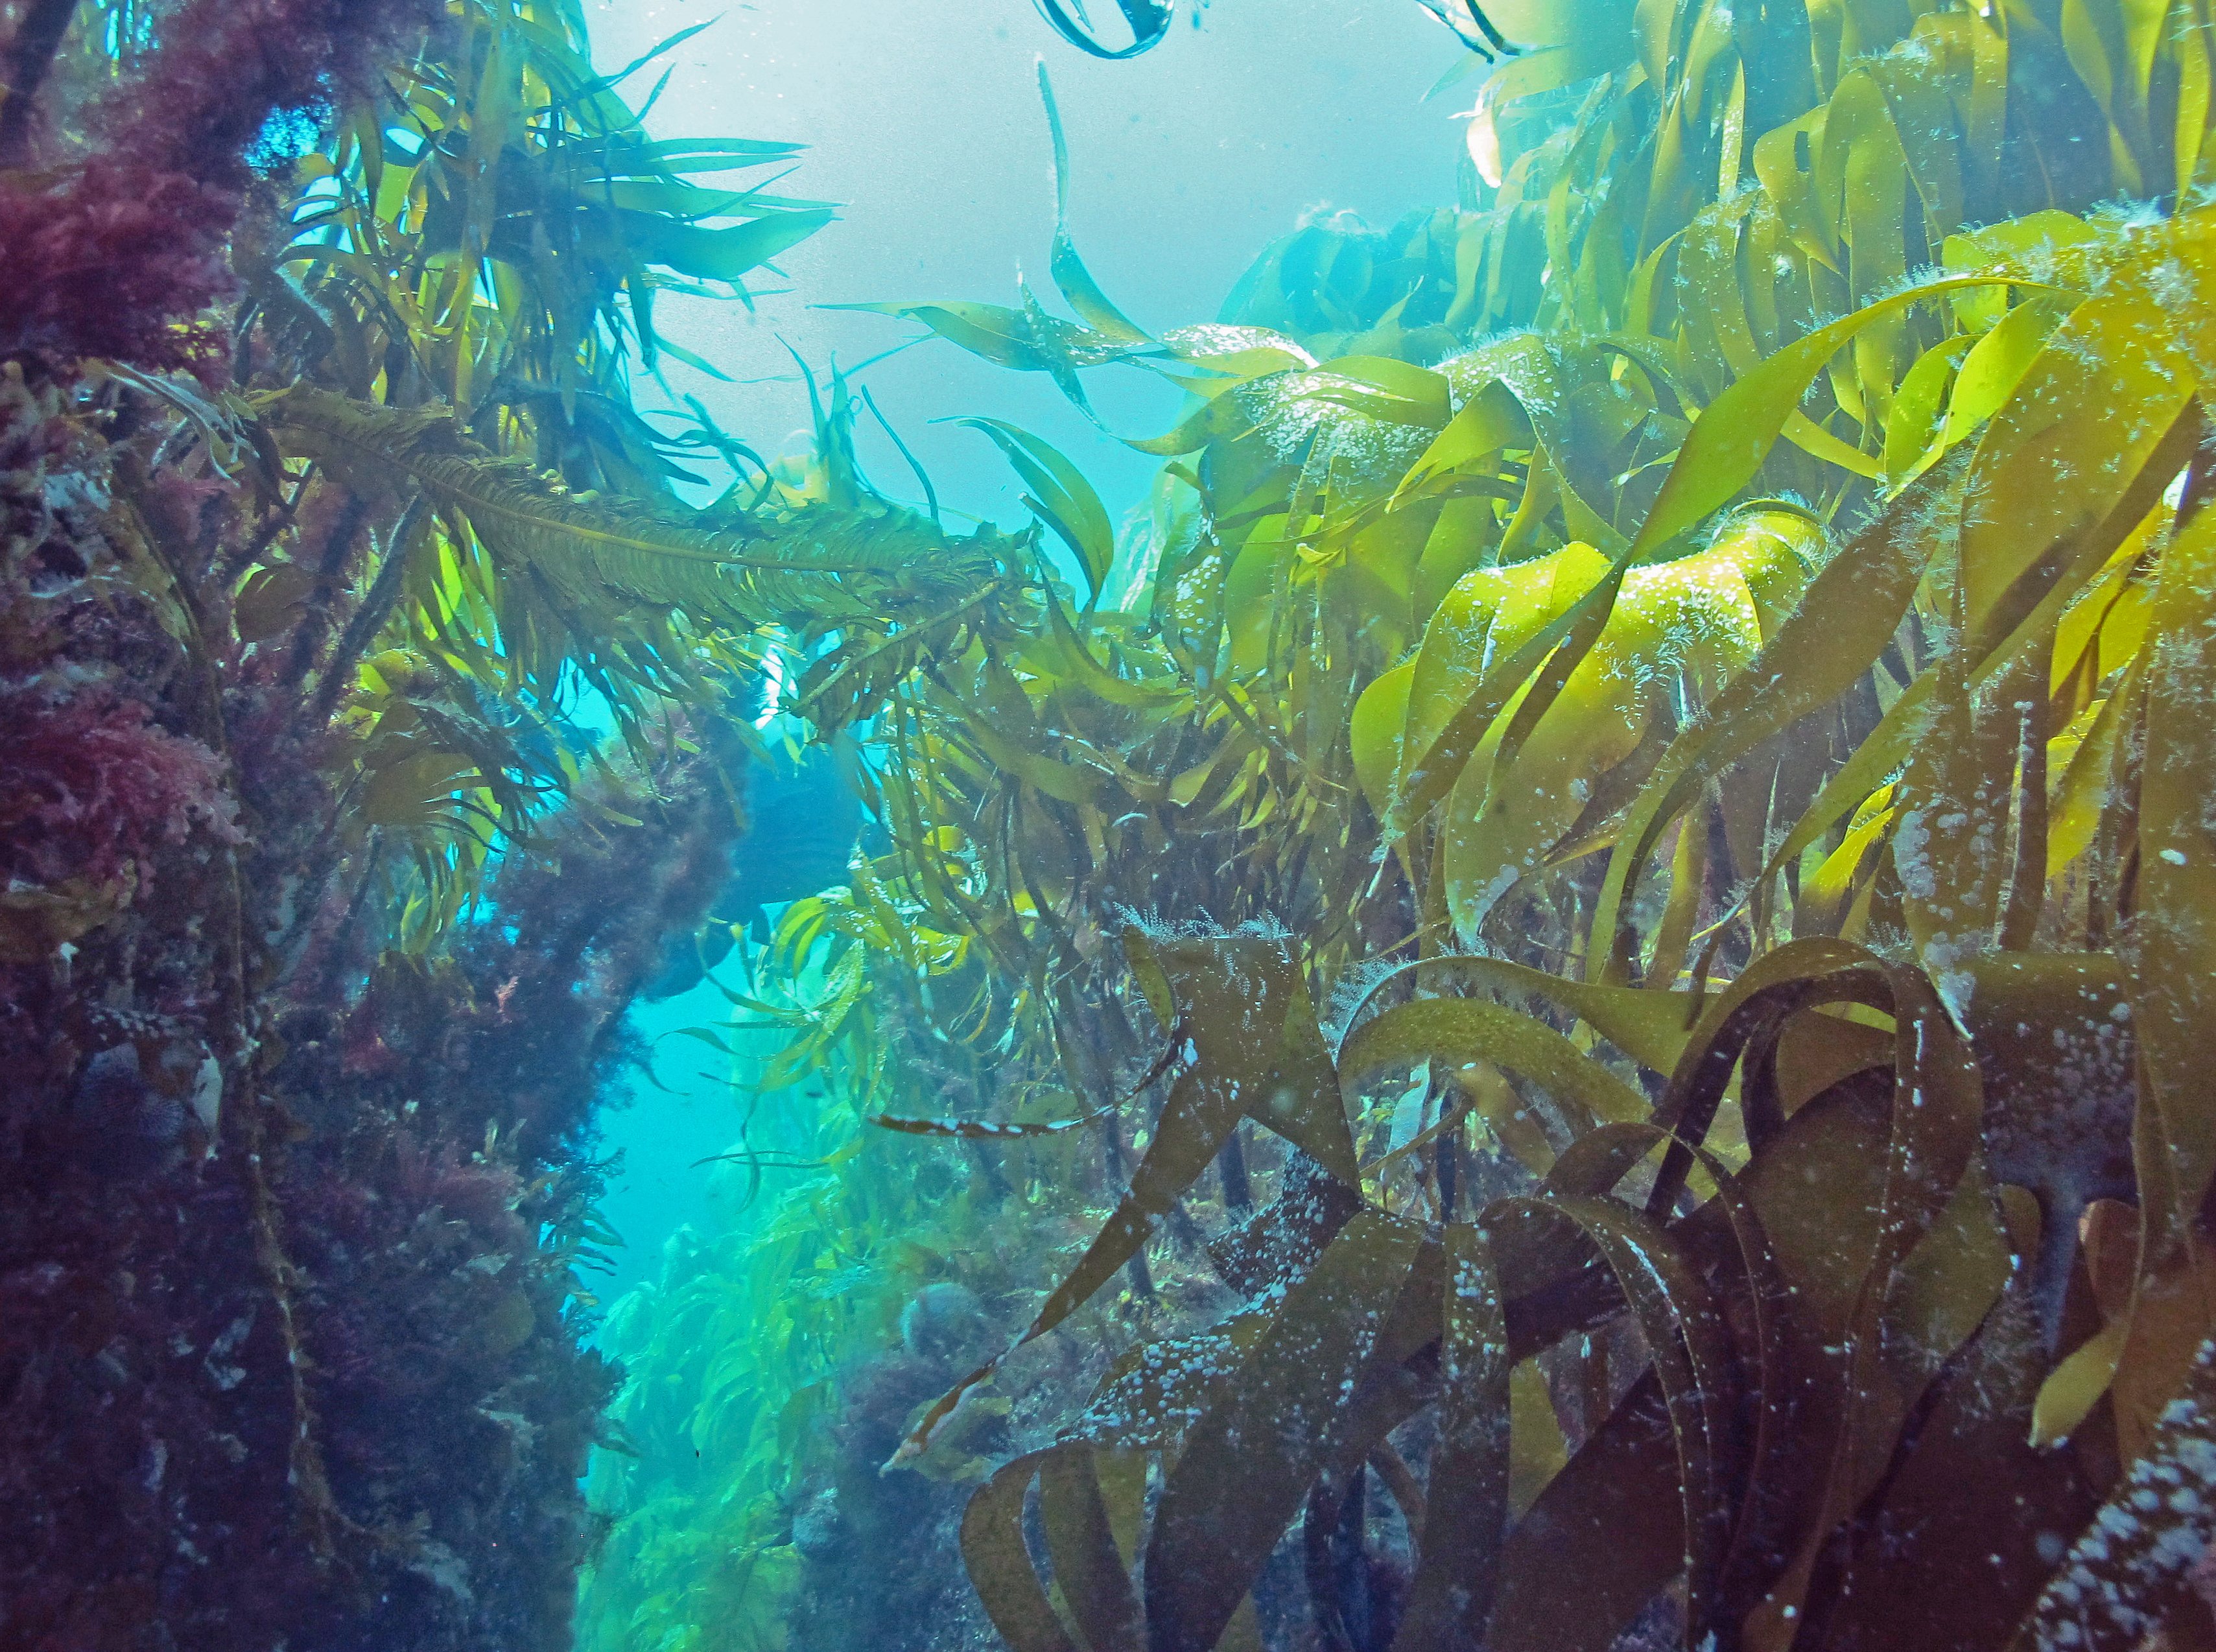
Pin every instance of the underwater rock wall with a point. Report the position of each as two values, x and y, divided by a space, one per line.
297 1160
286 1240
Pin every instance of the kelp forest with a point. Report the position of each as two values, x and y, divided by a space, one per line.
1547 1001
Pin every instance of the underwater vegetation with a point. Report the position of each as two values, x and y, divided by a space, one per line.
1553 1005
1654 740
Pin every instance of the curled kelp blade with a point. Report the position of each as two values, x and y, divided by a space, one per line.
1470 25
1149 20
1248 1463
1780 1387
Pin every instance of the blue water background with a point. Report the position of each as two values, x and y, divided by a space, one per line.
925 124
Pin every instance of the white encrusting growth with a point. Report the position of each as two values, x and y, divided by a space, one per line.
2149 1541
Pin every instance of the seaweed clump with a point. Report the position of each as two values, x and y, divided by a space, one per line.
1699 657
118 224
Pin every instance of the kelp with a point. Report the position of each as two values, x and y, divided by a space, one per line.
1664 706
1149 20
1700 651
450 306
786 1344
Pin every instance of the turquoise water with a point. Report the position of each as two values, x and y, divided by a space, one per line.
1510 952
923 122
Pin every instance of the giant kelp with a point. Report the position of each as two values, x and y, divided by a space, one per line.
1666 705
1732 740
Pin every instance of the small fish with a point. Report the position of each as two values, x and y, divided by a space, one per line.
129 1126
802 824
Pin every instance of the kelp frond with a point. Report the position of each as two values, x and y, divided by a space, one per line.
810 568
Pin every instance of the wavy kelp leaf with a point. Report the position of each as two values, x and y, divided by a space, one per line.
1810 1257
1603 1539
1685 1336
1466 1513
1253 1051
1465 1029
2089 418
1243 1006
1919 405
1933 1127
1089 1568
1027 339
1949 832
2174 985
1773 1357
1248 1463
1377 732
1149 20
1492 631
1651 1028
1735 432
1970 1485
1993 368
1071 278
2057 580
2073 1388
1073 658
1391 392
1486 422
1824 646
2057 1054
1283 1239
1061 496
1000 1565
1676 632
726 255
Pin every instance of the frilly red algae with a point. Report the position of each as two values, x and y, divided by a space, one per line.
118 238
